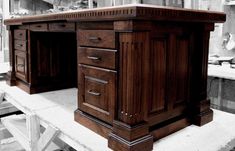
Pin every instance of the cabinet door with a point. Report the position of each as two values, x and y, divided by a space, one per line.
97 92
21 65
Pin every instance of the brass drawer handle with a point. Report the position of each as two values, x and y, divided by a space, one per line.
93 58
93 93
95 39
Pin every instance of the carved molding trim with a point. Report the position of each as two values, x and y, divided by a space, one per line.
137 11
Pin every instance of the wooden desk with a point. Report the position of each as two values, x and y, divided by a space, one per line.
142 70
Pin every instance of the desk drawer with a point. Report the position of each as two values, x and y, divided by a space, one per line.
20 34
98 57
97 38
20 45
21 65
39 27
97 92
63 27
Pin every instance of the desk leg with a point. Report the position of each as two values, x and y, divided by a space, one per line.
11 79
33 128
37 142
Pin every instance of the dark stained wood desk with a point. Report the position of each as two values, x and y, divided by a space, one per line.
141 70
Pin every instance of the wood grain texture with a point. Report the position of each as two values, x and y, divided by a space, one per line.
97 38
97 92
137 11
38 27
52 62
143 144
133 76
21 68
20 45
169 129
10 77
141 70
20 34
62 27
105 58
101 25
91 123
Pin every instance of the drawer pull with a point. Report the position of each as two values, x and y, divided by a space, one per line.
20 65
20 34
93 58
93 93
95 39
20 45
39 26
62 25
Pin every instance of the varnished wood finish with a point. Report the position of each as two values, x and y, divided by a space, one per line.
105 58
38 27
133 85
20 34
136 11
51 67
97 92
97 38
20 45
62 27
101 25
169 129
21 65
90 122
10 77
141 70
142 144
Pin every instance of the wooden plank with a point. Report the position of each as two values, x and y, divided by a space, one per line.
2 94
4 133
26 103
33 128
6 108
74 134
79 137
10 144
17 127
47 137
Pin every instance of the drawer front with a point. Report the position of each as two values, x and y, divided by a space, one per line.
20 34
39 27
97 38
21 65
98 57
20 45
97 92
63 27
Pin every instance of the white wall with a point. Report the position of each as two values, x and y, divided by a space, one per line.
5 43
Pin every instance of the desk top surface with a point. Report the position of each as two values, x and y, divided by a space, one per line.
126 12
